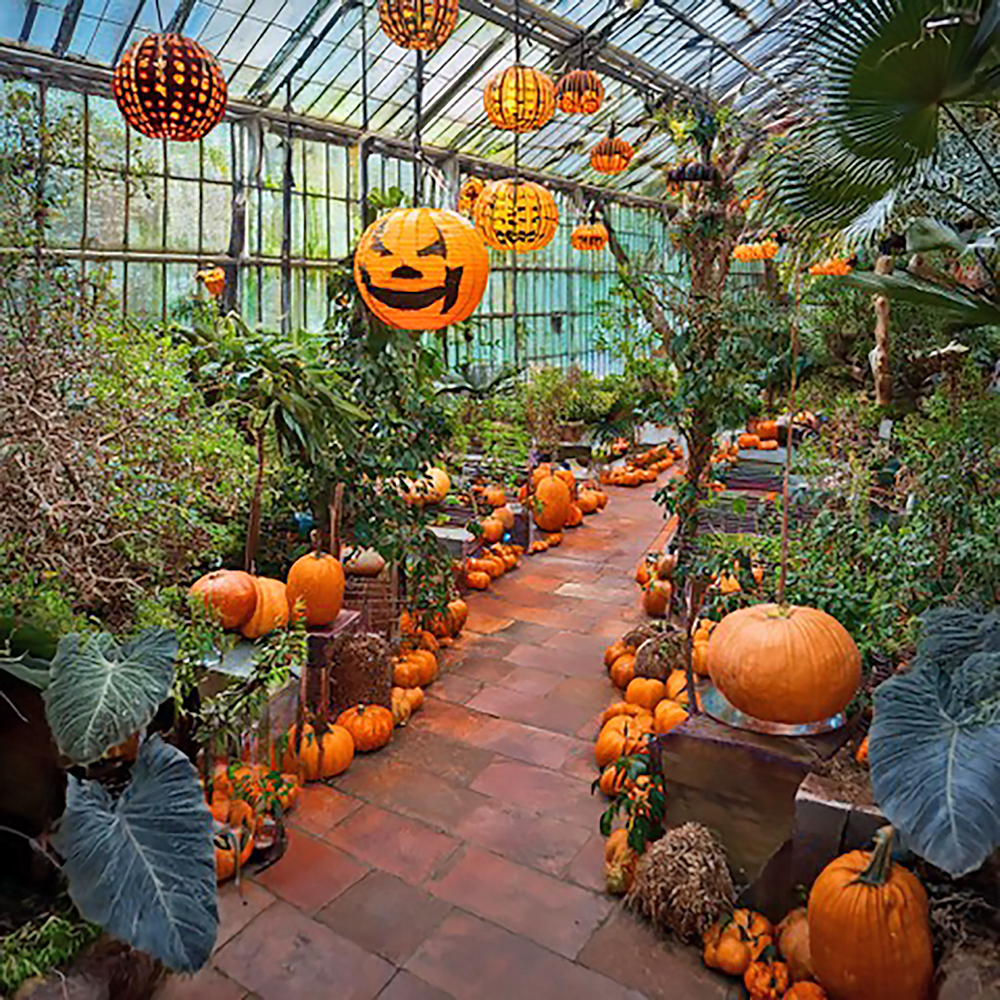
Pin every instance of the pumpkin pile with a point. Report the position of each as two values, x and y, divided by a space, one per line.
644 467
761 435
480 571
258 605
654 575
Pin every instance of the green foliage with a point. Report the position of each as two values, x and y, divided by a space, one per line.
644 809
39 945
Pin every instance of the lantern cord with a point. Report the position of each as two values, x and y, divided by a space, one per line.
159 16
517 32
418 112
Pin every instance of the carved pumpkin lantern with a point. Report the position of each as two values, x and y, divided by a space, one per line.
611 155
580 92
421 268
516 215
519 98
418 24
468 193
589 236
169 87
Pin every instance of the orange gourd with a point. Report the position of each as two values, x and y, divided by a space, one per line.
766 430
645 691
869 929
316 583
551 502
768 446
615 650
667 716
793 942
271 610
806 991
748 441
369 725
656 597
784 664
233 848
620 861
587 501
621 708
336 751
623 670
477 580
505 516
766 979
493 529
574 517
230 593
621 736
554 540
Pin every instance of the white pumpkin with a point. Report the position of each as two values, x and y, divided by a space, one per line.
362 562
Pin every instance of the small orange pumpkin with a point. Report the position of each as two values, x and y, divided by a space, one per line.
477 580
230 593
806 991
621 708
748 441
656 597
766 979
370 726
621 736
645 691
574 518
271 610
668 716
623 670
493 529
233 847
316 582
620 861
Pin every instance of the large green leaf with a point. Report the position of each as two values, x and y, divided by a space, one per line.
142 866
975 310
100 692
28 669
935 743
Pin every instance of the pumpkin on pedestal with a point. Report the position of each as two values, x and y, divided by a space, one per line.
784 664
230 593
271 610
421 268
315 586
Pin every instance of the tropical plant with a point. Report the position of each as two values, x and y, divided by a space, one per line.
934 745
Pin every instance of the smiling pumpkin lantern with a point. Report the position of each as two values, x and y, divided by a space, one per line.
421 268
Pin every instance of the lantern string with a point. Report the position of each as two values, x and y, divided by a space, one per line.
418 104
159 15
517 32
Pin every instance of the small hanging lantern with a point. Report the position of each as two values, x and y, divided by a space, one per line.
421 268
418 24
516 215
589 236
519 98
580 92
692 173
169 87
468 193
611 155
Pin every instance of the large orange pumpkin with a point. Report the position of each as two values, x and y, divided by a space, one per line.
369 725
552 503
317 581
869 929
645 691
784 664
271 610
421 268
230 593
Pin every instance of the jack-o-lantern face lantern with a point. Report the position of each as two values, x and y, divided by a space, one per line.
421 268
580 92
611 155
589 236
516 215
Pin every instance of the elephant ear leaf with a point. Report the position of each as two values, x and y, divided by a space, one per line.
100 692
142 866
934 748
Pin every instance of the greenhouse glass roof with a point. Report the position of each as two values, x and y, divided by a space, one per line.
328 60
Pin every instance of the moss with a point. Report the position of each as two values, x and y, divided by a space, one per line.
42 944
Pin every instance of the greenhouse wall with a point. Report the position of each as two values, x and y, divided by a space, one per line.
152 213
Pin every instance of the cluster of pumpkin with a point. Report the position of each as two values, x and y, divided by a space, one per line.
654 575
644 467
756 250
495 525
257 605
835 266
865 934
727 453
557 502
492 563
760 434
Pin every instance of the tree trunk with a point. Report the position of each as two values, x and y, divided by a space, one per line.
880 356
253 524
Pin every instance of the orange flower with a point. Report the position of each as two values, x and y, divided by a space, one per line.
770 497
214 280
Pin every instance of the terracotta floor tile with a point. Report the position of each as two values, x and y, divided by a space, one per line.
485 646
238 905
526 632
474 960
487 669
542 712
385 915
310 873
579 762
589 646
563 662
455 721
530 680
320 808
544 584
455 686
486 624
541 842
406 986
630 952
593 693
539 790
559 916
455 761
526 743
284 955
208 984
396 844
587 868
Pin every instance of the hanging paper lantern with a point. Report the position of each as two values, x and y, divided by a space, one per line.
169 87
418 24
589 236
580 92
516 215
611 155
519 98
468 193
421 268
692 173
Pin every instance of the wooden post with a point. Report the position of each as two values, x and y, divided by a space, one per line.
880 356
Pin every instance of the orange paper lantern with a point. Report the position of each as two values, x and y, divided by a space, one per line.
580 92
418 24
611 155
589 236
516 215
421 268
519 98
468 193
169 87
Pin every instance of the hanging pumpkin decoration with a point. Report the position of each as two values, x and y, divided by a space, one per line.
418 24
468 193
516 215
784 663
421 268
168 87
519 98
580 92
611 155
589 236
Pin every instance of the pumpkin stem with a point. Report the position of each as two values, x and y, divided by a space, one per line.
880 865
315 540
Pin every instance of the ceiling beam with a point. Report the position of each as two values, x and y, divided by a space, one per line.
67 26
